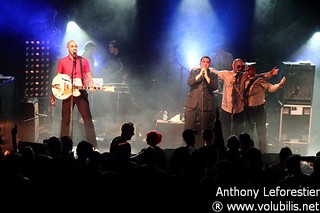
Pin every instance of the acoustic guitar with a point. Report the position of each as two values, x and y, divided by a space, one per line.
62 87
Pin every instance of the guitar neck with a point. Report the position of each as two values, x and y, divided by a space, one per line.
62 88
85 87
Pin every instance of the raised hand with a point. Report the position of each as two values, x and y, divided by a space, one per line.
281 83
204 72
274 71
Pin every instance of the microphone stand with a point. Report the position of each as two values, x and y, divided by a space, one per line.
71 98
181 78
202 106
38 115
235 84
289 98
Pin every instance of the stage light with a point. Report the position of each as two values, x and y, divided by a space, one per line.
37 65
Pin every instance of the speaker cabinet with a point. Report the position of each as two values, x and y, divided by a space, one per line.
171 134
295 123
298 88
295 127
7 102
28 128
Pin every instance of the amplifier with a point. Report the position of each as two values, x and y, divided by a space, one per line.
295 123
298 88
28 128
295 127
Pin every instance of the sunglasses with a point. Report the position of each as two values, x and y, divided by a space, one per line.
239 66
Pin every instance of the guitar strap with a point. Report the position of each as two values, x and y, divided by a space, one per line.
82 77
81 68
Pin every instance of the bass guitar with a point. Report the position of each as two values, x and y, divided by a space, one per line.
62 87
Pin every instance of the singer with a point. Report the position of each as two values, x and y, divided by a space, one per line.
78 69
254 99
232 105
198 109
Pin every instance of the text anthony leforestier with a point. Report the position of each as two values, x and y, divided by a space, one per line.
234 191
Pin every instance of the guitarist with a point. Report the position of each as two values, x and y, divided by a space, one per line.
79 68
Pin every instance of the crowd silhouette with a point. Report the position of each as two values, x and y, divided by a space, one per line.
185 180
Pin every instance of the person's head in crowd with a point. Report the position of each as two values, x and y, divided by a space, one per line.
245 141
292 165
153 138
189 136
53 145
284 153
207 136
127 130
233 143
84 149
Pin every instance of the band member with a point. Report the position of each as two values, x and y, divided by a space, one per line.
78 69
232 106
199 104
254 99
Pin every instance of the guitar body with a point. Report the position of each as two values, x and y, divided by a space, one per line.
62 87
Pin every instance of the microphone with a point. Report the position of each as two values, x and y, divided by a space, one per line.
236 77
203 70
74 54
202 73
237 74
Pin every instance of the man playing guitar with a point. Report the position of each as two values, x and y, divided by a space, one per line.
78 69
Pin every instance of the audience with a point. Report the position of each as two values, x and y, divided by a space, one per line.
153 155
277 171
190 176
314 181
294 177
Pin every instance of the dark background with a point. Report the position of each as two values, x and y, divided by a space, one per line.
157 68
286 26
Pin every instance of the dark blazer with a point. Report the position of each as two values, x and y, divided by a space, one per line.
194 98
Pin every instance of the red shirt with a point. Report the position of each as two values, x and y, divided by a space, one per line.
65 66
